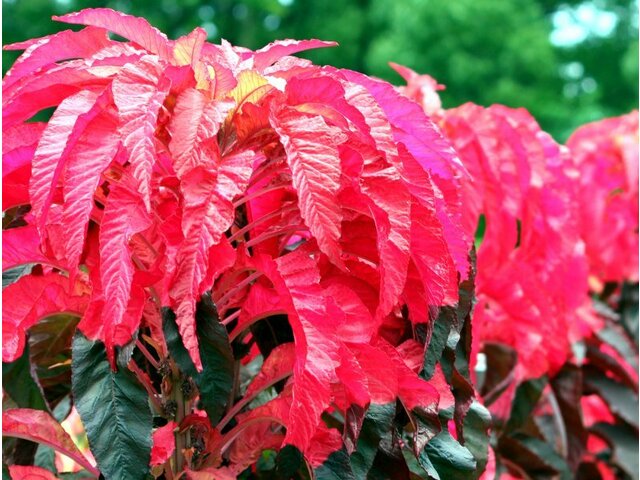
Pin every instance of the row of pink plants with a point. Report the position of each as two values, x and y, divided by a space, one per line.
222 263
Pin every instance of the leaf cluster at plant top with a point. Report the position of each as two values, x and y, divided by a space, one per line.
238 264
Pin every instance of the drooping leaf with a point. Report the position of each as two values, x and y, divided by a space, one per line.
63 130
20 382
377 423
20 472
175 345
115 412
138 93
41 427
33 298
312 154
164 443
449 458
117 265
90 156
216 379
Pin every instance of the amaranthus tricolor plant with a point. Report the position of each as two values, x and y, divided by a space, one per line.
260 258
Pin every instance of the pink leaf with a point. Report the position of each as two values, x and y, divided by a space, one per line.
89 157
20 246
208 213
28 300
138 93
276 367
194 126
18 146
296 279
274 51
41 427
164 443
418 133
19 472
115 258
63 130
312 154
136 29
53 48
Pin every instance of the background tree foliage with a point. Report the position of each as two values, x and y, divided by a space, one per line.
568 61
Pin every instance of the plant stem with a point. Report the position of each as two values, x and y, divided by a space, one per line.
147 354
180 410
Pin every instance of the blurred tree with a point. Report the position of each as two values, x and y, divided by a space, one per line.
567 61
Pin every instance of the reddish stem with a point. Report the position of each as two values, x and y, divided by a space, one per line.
227 296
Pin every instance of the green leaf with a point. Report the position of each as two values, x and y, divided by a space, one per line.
622 401
50 347
19 380
526 397
567 388
616 336
377 423
480 230
449 458
45 458
12 275
175 345
476 438
216 379
336 467
114 409
629 308
624 441
438 342
546 454
289 461
420 467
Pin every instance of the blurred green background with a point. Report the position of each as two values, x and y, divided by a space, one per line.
568 62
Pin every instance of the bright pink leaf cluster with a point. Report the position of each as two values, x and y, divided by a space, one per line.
173 168
531 268
606 157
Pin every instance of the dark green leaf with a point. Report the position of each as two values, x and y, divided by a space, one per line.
449 458
216 379
422 468
45 458
624 442
19 381
534 456
389 463
336 467
289 461
377 423
114 409
629 309
527 396
622 401
476 436
437 342
11 276
615 336
175 345
567 388
546 452
50 344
